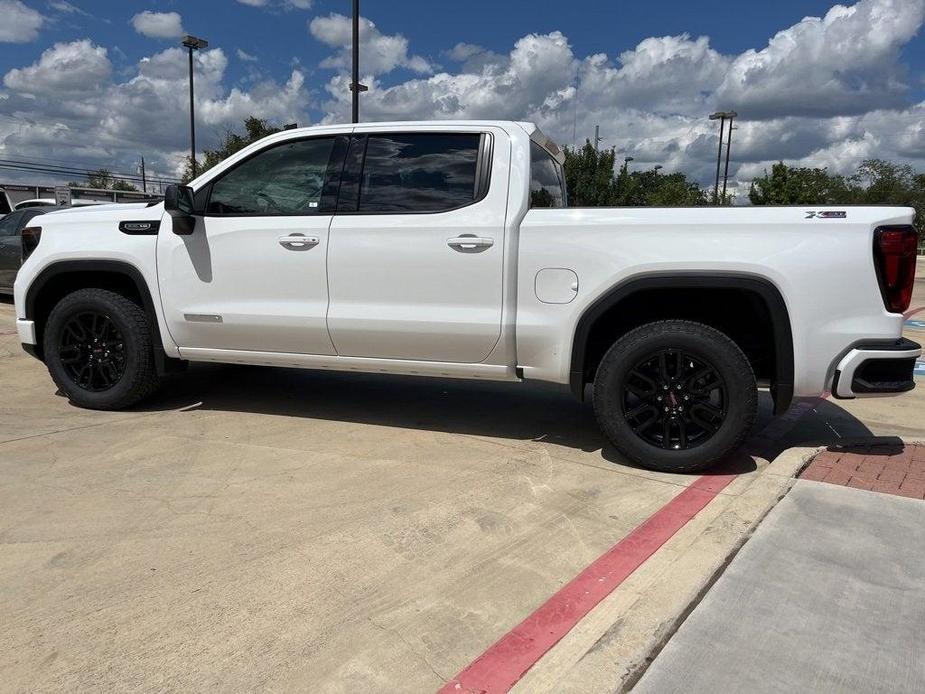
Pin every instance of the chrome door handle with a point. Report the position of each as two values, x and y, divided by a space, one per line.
470 243
298 242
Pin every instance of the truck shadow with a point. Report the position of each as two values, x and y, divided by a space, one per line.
515 411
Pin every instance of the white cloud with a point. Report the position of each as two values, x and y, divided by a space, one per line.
71 102
67 8
827 91
245 56
843 63
284 4
475 58
20 23
79 67
158 25
381 53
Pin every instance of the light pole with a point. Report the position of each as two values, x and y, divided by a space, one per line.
626 162
721 116
657 168
193 44
732 115
355 85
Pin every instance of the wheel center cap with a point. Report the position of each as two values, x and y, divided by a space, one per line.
672 398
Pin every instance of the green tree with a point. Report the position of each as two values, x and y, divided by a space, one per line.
101 178
591 182
123 185
231 142
791 185
876 182
589 176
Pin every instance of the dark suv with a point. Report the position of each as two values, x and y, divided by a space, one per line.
11 227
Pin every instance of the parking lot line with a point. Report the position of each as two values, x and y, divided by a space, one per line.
499 667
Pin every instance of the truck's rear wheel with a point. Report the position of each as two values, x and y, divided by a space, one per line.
99 351
675 396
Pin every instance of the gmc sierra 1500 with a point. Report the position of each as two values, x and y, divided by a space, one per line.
447 249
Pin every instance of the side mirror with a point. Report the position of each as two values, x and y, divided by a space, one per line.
178 203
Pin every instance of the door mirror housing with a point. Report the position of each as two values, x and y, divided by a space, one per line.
178 203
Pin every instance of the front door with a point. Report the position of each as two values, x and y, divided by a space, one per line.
417 247
252 275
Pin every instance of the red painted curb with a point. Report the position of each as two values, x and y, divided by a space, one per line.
499 668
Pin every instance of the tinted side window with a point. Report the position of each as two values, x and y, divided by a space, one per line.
423 172
9 225
547 180
287 179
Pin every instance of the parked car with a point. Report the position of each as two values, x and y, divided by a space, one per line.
447 249
5 205
11 225
50 202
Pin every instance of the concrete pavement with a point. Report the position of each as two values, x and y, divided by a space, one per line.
827 596
257 528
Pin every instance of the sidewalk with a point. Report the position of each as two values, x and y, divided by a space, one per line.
828 595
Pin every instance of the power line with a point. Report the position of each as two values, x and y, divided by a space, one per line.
73 171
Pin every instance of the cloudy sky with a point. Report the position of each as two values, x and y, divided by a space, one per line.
99 83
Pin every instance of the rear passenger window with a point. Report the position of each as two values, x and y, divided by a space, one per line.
421 172
547 179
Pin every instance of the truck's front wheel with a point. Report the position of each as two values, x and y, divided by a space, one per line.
675 396
98 349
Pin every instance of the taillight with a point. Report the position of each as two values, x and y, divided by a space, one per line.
30 240
895 249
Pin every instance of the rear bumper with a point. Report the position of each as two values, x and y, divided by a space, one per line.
877 369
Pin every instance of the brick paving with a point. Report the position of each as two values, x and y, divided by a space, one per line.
891 469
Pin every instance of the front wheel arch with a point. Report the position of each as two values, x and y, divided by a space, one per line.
59 279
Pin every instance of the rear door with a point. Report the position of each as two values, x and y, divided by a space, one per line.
417 245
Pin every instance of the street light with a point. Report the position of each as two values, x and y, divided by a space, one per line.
658 167
193 44
355 85
721 116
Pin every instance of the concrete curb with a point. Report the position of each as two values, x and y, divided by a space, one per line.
610 649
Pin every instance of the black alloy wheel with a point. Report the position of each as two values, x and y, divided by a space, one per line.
675 396
674 399
99 349
92 351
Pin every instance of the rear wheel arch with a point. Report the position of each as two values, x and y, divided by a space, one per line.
59 279
692 296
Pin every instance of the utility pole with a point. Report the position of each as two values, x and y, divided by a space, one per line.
732 115
193 44
597 137
355 85
144 180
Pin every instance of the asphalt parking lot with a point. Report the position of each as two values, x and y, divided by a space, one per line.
255 528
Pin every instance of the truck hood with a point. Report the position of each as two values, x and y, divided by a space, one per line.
114 208
116 212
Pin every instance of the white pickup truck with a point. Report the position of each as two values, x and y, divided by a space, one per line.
447 249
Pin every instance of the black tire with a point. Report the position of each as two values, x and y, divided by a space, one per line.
119 357
702 394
